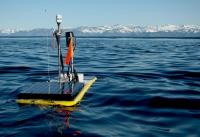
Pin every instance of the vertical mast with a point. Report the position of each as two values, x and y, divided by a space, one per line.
58 34
72 60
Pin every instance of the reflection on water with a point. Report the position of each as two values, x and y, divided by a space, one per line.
61 119
67 112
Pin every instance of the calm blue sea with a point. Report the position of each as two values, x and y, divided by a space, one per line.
145 88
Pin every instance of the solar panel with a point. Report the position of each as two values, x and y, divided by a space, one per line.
51 91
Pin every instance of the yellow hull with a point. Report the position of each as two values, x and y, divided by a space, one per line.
76 100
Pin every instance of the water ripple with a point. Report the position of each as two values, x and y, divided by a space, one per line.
145 87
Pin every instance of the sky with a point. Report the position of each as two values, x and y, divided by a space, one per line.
29 14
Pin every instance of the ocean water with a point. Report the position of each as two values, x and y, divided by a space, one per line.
145 88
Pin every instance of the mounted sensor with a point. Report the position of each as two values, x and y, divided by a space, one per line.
58 19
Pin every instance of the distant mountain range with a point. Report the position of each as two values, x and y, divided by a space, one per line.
116 31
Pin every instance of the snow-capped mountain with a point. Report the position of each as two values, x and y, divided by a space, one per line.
8 31
117 30
140 29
